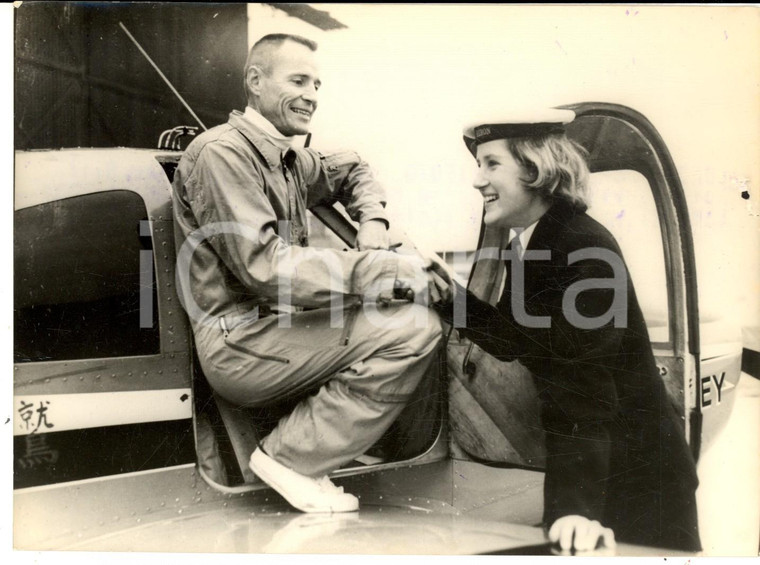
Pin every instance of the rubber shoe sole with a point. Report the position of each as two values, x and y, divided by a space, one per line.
302 492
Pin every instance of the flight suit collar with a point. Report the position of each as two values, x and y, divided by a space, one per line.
258 138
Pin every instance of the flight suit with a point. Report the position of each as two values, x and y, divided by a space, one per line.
274 319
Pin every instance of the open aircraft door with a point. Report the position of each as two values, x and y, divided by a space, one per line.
636 193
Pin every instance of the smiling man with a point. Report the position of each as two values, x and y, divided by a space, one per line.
282 80
276 319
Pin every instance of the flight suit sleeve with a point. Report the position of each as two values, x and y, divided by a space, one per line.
227 193
342 177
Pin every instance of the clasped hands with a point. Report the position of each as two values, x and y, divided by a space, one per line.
432 284
437 279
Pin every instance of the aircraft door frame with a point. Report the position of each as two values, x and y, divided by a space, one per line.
678 359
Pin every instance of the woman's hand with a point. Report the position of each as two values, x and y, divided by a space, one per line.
440 280
577 533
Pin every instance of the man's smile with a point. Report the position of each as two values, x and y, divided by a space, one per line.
301 111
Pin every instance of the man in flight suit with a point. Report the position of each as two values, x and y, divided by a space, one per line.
274 318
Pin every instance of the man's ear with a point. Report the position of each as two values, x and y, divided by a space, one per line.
253 76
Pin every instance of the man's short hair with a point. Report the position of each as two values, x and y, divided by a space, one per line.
260 54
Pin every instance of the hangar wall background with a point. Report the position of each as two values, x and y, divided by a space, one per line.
81 82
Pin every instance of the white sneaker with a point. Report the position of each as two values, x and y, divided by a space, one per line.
302 492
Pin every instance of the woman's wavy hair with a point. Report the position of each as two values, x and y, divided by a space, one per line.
555 165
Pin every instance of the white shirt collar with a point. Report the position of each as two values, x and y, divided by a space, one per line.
524 236
282 141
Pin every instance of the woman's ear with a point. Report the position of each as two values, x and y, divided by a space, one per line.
529 170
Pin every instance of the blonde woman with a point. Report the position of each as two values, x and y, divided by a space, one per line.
618 465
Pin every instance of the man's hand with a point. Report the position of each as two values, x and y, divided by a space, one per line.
577 533
411 283
441 286
372 235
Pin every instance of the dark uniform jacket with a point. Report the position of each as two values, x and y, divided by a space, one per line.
615 446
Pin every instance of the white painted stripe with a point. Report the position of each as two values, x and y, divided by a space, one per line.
60 412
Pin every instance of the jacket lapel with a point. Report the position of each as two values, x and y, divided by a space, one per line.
539 273
550 224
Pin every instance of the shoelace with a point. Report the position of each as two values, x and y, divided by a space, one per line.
328 486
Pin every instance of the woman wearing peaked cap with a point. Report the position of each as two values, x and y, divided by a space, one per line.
617 460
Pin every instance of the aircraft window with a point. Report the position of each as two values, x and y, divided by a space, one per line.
622 201
77 275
